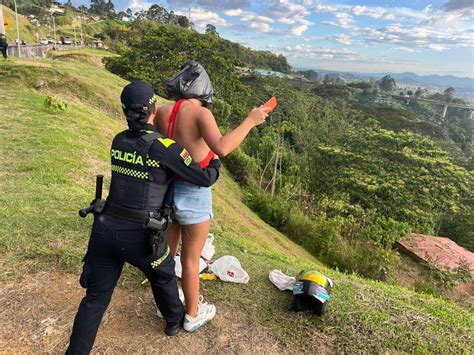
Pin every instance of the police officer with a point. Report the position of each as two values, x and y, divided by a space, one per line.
4 45
144 164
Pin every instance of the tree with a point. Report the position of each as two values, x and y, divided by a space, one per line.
387 83
418 92
184 22
157 13
103 8
83 8
403 175
39 8
211 30
449 93
327 79
410 93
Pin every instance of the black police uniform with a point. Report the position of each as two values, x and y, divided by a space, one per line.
4 46
139 182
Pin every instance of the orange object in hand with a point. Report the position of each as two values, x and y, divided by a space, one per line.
270 105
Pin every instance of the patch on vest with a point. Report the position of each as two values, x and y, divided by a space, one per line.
166 142
186 157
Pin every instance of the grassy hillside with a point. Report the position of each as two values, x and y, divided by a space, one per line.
49 158
27 30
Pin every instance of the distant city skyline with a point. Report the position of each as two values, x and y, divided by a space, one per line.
425 37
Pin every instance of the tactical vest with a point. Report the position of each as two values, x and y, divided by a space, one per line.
132 184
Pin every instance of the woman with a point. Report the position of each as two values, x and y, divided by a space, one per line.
192 125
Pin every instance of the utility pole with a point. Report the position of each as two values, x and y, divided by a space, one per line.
54 31
82 33
74 28
189 18
17 30
2 28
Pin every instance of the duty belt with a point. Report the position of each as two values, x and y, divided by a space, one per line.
130 214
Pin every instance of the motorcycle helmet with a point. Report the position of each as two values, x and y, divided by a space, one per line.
312 290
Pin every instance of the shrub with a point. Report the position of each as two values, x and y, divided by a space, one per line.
360 244
244 168
54 105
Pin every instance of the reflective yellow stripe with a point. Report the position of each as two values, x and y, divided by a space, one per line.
153 163
158 262
130 172
166 141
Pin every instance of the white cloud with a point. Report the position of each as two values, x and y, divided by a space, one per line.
437 47
137 5
374 12
298 30
329 23
288 12
201 17
286 9
406 49
213 5
308 51
248 16
343 39
260 26
255 21
325 8
409 36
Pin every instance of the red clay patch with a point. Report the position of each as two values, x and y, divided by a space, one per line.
442 252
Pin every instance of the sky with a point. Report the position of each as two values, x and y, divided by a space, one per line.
425 37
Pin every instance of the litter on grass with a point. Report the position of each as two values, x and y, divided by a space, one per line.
281 280
209 249
228 268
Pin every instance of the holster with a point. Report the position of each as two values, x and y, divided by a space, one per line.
158 223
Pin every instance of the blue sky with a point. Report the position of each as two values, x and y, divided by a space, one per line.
426 37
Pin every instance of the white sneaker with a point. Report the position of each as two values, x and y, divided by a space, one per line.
181 297
206 312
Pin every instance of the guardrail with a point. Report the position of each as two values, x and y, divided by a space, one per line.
37 50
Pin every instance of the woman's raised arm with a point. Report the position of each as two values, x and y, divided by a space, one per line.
223 145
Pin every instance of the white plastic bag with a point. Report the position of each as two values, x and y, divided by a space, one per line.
228 268
209 249
178 268
282 281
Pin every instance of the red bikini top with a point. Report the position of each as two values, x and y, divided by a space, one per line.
170 133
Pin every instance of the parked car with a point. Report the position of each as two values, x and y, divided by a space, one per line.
43 41
50 40
66 40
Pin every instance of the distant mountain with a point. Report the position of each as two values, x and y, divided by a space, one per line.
441 81
436 80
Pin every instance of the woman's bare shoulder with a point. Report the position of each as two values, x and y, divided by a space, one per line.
203 112
164 110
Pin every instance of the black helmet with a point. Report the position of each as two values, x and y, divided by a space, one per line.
311 290
192 82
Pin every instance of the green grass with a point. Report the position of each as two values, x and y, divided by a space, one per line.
48 165
27 30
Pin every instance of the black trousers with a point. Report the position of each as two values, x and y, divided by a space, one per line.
114 241
5 51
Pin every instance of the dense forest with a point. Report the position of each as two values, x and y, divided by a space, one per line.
325 171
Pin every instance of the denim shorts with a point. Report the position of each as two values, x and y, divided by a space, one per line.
192 204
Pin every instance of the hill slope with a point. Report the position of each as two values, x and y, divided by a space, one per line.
26 28
49 158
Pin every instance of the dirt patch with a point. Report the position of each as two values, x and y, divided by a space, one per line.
37 312
33 64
